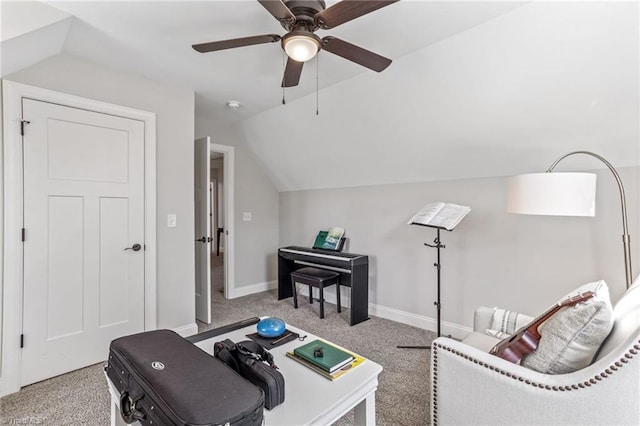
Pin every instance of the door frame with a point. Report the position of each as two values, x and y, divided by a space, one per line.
11 214
228 162
208 234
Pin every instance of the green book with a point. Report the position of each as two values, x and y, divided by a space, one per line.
324 355
322 235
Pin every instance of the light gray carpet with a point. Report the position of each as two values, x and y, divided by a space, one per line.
81 397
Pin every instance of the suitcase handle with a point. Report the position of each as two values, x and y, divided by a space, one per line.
255 351
128 409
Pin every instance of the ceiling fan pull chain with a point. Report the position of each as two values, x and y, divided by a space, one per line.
283 69
317 74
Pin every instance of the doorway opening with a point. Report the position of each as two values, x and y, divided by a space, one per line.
216 217
226 218
214 201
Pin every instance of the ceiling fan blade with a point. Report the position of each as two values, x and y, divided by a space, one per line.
355 54
236 42
346 10
278 9
292 73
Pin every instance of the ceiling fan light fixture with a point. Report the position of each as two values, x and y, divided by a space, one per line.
301 46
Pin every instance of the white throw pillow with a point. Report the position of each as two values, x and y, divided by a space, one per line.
626 316
572 336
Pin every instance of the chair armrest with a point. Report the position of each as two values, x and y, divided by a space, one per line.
469 386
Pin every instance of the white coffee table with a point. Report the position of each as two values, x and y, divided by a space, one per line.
310 399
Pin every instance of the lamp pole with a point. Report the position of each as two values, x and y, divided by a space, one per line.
623 202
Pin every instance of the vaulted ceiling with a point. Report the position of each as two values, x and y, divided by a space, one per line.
475 88
154 38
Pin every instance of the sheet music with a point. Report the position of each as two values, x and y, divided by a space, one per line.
440 215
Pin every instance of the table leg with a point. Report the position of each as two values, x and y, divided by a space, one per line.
365 412
116 418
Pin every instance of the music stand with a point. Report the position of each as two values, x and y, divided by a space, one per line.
439 216
437 244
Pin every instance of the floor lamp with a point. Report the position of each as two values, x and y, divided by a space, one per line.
565 194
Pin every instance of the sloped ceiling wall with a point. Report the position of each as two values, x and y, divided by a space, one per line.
30 32
508 96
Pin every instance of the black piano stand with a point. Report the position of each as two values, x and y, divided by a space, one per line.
437 245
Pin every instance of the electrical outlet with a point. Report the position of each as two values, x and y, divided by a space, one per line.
246 216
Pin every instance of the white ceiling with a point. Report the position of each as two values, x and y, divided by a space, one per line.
476 89
505 97
153 39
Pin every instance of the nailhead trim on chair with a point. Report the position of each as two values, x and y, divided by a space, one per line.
598 377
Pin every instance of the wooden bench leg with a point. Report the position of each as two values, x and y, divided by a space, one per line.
321 301
310 294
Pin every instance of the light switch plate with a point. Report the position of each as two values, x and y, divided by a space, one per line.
171 220
246 216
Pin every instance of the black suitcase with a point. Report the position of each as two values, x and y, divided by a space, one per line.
165 380
255 364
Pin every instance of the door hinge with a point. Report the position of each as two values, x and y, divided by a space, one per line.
22 341
24 234
22 123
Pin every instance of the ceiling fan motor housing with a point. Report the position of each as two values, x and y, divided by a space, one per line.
305 12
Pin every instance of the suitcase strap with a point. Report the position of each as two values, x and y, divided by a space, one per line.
222 351
242 352
255 351
128 409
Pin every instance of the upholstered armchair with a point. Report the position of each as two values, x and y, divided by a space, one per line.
471 386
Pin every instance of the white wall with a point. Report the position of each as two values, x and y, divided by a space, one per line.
492 258
1 228
256 242
174 108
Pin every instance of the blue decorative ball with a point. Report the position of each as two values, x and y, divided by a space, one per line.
271 327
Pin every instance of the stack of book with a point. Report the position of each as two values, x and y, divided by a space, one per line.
329 360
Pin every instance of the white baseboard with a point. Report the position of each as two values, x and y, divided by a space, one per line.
254 288
187 330
426 323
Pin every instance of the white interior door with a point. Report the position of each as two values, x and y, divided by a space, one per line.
83 206
202 163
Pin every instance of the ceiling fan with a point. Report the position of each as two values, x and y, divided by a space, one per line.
301 18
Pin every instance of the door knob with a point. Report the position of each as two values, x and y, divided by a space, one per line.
135 247
202 240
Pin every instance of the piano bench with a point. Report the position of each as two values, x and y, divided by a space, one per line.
315 277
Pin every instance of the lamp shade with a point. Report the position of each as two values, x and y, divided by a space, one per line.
553 194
